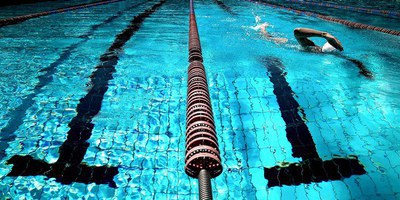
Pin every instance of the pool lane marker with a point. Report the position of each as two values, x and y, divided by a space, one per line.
17 115
225 7
331 19
69 168
202 157
19 19
386 13
312 168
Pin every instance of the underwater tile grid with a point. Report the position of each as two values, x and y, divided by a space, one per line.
251 109
274 117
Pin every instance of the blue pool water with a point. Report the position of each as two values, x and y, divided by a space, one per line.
378 4
29 8
47 66
386 21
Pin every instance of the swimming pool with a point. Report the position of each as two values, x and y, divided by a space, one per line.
18 8
53 63
382 16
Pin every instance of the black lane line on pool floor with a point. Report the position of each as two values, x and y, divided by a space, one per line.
312 168
225 7
19 19
18 114
68 167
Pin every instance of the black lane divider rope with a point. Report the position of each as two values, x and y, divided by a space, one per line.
19 19
18 114
328 18
202 158
386 13
69 167
312 168
225 7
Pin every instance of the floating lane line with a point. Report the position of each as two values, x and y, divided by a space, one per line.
331 19
19 19
202 158
386 13
225 7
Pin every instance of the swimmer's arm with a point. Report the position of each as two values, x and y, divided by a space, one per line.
307 32
263 30
301 34
333 41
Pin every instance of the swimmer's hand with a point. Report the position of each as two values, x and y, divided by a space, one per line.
333 41
260 26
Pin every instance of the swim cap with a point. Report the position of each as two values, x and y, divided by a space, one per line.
328 48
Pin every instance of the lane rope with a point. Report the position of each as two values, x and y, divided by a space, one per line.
22 18
386 13
332 19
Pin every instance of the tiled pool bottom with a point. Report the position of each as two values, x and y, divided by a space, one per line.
146 141
254 135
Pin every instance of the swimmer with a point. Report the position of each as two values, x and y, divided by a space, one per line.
262 27
302 35
332 45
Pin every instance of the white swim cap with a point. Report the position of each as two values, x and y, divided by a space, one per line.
328 48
